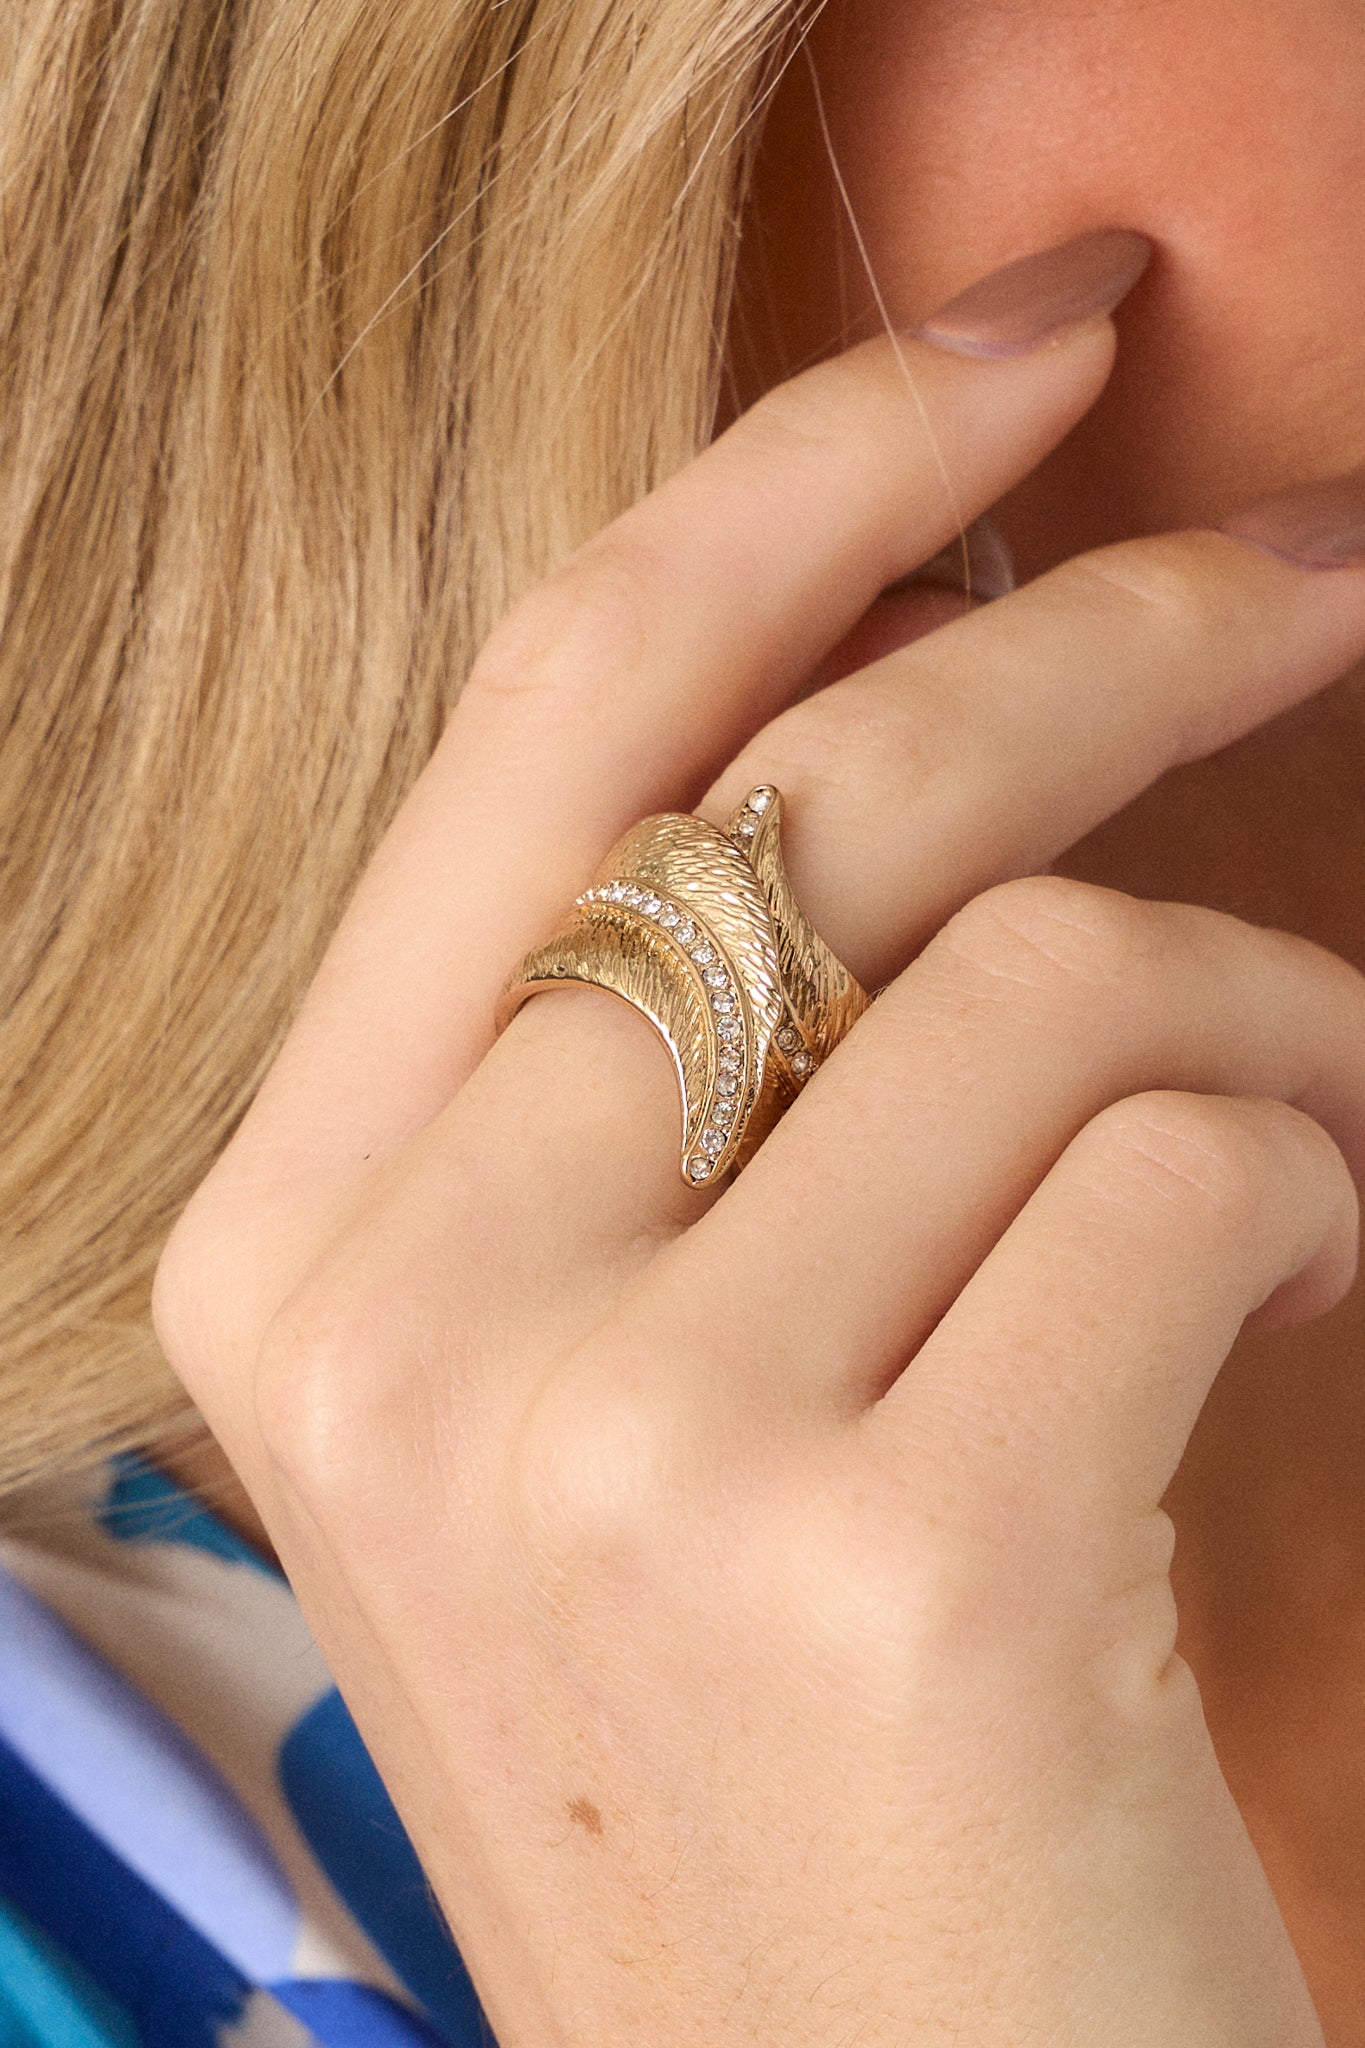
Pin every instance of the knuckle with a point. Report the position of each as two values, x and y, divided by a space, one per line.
201 1313
1339 980
895 1571
1130 1640
1213 1156
880 1618
321 1385
795 415
1161 577
566 643
837 743
882 1637
183 1301
823 410
1042 930
594 1473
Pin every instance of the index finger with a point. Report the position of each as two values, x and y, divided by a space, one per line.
623 684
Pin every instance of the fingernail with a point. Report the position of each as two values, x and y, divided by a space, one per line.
1315 526
977 562
1032 301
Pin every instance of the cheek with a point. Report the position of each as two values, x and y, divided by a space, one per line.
1233 131
964 126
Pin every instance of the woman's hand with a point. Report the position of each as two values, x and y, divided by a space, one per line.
758 1602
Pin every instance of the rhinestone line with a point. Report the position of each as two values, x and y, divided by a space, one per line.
789 1039
686 935
746 822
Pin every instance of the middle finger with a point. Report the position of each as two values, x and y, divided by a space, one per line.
989 748
975 755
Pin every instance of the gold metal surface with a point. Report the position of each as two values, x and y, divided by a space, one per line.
698 929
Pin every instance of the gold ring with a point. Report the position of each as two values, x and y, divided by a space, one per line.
699 930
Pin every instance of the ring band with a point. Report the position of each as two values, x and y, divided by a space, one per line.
699 930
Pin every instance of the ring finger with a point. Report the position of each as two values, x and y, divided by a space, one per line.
1038 1007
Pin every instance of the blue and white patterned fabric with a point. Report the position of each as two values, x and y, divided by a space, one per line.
195 1848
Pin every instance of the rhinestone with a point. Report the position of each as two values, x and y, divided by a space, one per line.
731 1061
631 895
715 977
723 1115
760 799
789 1038
698 1166
722 1003
668 917
713 1141
703 954
727 1084
651 905
617 891
802 1063
730 1028
685 932
746 828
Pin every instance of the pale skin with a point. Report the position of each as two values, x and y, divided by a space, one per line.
762 1611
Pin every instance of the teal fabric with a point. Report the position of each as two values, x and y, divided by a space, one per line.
46 2001
144 1506
150 1886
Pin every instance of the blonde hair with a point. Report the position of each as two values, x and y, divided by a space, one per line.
327 329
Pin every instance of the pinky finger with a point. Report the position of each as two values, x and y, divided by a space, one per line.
1061 1387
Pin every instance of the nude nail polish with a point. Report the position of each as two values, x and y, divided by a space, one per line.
1038 298
1314 526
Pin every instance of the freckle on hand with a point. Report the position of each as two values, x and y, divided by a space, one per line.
586 1815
